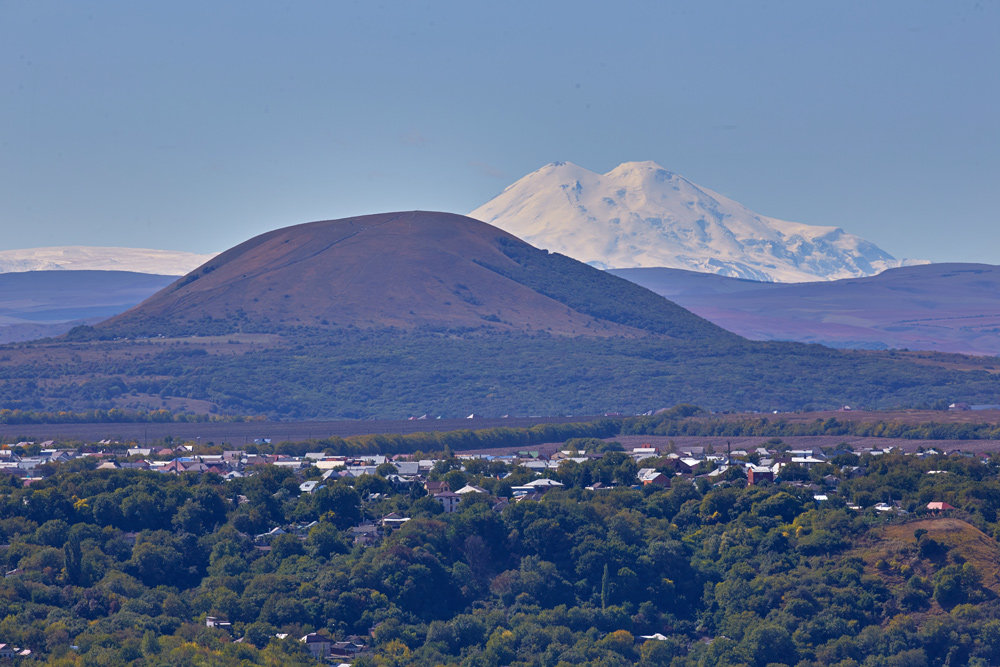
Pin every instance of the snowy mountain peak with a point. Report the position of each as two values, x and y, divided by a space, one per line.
642 169
93 258
640 214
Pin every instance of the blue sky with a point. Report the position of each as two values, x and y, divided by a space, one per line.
194 125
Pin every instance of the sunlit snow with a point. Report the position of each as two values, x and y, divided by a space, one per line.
641 215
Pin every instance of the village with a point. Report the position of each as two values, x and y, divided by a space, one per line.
655 467
513 477
30 461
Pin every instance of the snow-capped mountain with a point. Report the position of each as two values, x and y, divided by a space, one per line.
641 215
92 258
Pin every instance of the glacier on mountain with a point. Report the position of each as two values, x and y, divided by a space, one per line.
641 215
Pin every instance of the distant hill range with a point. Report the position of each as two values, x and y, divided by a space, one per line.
93 258
939 307
943 307
407 271
641 215
36 304
414 313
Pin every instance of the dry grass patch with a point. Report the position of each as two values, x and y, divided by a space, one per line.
893 552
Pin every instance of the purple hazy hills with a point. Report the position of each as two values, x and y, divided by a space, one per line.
940 307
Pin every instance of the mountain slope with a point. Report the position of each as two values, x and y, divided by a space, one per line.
406 270
93 258
641 215
939 307
429 313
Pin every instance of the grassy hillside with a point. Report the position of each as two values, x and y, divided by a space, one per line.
924 547
407 271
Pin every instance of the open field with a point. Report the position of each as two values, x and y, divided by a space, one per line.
243 433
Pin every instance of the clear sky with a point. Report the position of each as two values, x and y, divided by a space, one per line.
196 125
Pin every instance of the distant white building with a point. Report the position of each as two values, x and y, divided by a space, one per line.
449 501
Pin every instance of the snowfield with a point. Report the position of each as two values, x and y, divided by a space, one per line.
641 215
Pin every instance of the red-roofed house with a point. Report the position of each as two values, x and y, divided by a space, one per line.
939 506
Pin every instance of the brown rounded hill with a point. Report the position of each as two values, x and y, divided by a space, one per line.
408 270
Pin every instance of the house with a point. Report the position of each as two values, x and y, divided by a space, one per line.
394 520
173 467
319 645
717 474
347 649
652 476
806 461
538 486
304 528
448 500
936 506
265 538
433 488
409 468
759 474
216 622
6 651
365 533
469 488
640 453
688 463
285 462
597 486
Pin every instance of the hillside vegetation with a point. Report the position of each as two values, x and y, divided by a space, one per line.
316 373
126 565
415 313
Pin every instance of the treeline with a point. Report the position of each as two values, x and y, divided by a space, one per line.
766 427
114 415
442 441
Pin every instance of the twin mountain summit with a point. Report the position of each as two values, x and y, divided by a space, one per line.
555 288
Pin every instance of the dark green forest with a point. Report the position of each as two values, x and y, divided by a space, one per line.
387 374
125 566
